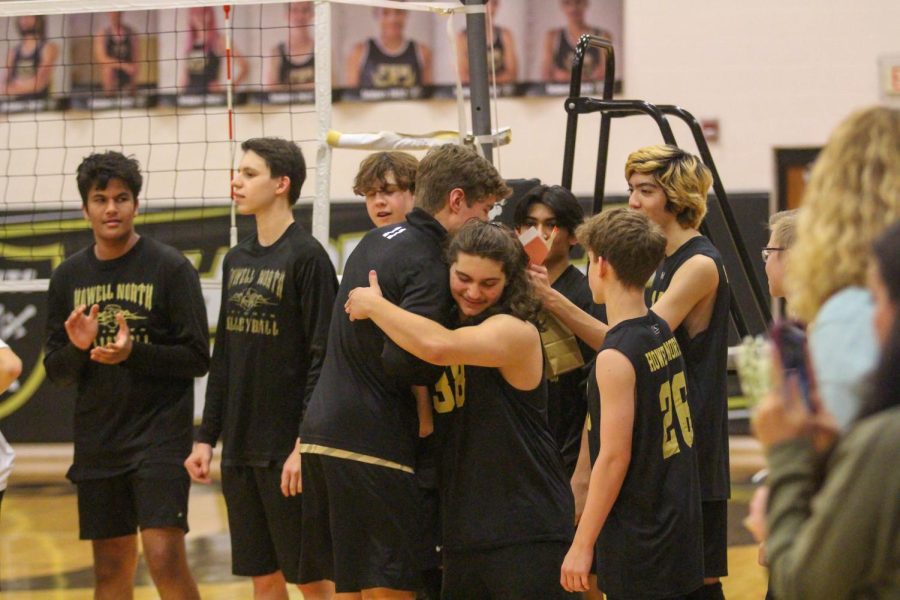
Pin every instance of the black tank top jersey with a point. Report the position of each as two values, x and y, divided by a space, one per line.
566 405
500 473
706 356
383 70
202 68
295 73
26 65
362 403
565 51
496 54
651 543
119 48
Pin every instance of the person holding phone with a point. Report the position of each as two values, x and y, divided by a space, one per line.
852 195
839 540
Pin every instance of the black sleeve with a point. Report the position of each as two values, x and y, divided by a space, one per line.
188 356
423 294
217 384
63 362
316 285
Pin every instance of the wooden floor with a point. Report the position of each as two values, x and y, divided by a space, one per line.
41 557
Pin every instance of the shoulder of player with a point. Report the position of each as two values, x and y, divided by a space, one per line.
168 258
614 366
510 327
304 244
402 236
73 265
163 250
699 270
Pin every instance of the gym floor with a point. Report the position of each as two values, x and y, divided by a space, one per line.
41 557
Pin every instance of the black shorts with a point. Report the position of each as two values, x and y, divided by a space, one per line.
149 497
715 538
522 571
361 525
265 526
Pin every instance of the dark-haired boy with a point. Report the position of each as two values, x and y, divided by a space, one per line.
643 507
127 324
548 207
278 287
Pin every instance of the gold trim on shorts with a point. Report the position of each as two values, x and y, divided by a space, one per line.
363 458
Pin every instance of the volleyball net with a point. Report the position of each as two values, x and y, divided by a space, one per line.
179 86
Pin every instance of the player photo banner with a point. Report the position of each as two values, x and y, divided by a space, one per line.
178 57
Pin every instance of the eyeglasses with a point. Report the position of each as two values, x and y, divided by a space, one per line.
767 252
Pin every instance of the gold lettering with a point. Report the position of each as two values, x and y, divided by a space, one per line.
272 280
136 293
241 276
261 326
94 294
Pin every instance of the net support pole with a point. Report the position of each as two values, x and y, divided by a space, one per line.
321 214
479 92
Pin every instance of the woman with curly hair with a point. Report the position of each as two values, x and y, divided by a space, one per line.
853 194
504 496
833 514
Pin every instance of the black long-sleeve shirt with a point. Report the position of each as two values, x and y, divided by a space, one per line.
363 404
270 344
140 410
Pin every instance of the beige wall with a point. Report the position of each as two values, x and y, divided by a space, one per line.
773 72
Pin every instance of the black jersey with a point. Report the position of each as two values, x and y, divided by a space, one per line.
295 73
564 52
26 66
566 404
500 473
140 410
706 356
381 69
496 54
363 405
270 344
121 47
202 68
651 545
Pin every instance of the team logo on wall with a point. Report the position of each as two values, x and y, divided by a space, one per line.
22 317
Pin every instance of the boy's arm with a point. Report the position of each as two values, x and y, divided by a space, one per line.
316 285
496 342
63 361
695 280
616 380
585 326
188 357
10 366
217 383
424 292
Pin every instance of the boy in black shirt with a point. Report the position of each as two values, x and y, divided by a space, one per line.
133 355
690 291
359 435
643 505
546 208
278 288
